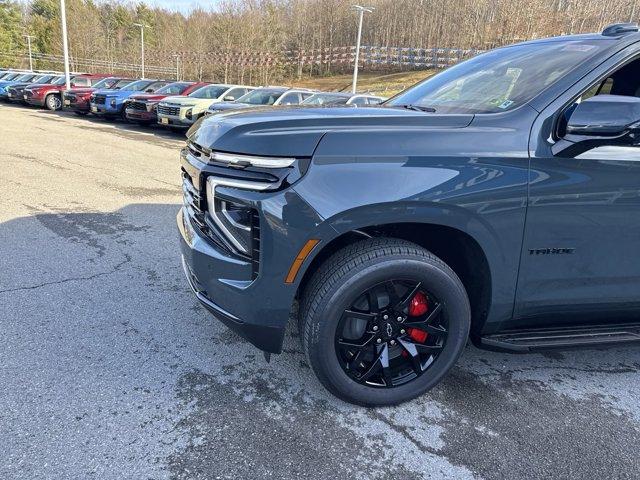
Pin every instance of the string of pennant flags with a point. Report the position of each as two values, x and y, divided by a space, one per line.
372 57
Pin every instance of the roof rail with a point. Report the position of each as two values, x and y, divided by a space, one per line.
620 29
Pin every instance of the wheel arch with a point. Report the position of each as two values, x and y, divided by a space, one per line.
472 266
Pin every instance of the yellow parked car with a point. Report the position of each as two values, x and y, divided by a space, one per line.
182 112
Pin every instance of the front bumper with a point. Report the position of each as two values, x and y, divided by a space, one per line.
174 121
255 303
34 100
105 109
141 115
16 96
199 257
75 104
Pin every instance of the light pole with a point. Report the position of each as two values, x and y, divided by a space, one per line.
65 44
29 37
142 27
177 57
361 10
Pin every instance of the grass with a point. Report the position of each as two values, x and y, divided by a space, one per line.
384 85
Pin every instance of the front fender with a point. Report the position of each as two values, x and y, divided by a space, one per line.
481 196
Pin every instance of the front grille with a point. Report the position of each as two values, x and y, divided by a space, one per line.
192 200
100 99
137 106
168 110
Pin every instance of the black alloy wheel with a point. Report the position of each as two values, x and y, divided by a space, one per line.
382 321
391 334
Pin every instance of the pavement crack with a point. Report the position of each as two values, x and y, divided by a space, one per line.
404 431
115 269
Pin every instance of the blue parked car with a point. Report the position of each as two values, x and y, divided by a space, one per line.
10 80
112 103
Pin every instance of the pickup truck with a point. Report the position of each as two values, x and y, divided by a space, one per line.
142 107
77 99
180 112
111 104
497 201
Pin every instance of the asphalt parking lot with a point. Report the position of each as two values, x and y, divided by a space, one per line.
110 369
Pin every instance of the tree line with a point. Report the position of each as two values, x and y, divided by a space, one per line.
265 41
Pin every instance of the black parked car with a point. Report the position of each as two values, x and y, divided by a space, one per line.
498 200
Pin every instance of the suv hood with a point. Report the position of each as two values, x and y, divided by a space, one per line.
81 90
223 106
148 97
186 100
115 93
292 131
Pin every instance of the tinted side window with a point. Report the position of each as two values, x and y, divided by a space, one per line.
82 81
359 101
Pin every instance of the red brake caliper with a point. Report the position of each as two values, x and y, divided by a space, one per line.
418 306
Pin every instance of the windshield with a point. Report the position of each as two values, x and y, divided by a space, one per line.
174 88
499 80
138 85
210 91
121 83
261 97
325 98
25 78
44 79
104 83
11 76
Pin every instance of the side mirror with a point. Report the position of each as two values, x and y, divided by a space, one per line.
229 98
149 90
603 120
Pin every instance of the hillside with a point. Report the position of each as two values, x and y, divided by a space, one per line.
384 85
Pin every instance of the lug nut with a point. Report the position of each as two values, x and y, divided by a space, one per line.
402 332
375 328
379 340
392 342
385 317
399 319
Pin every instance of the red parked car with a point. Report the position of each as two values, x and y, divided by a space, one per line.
77 99
141 108
50 95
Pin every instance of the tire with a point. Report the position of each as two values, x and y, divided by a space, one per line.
365 265
52 102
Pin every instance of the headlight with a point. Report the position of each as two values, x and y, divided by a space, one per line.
152 107
112 102
251 161
235 221
188 113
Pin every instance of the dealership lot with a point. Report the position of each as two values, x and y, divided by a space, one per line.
109 367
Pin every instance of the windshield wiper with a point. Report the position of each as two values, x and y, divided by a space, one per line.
417 108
